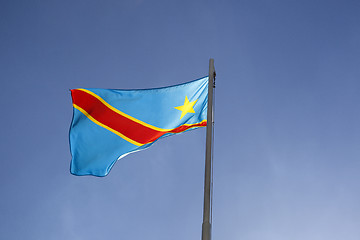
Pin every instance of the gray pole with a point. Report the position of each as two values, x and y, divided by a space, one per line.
206 225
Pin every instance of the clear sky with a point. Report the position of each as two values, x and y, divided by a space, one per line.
287 134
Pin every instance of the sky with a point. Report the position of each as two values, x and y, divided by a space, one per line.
287 134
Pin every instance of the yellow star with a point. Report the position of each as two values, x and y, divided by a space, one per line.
187 107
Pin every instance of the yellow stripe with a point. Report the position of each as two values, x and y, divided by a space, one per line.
124 114
107 127
187 124
130 117
116 132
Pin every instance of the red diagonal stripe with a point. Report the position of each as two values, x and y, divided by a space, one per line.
129 128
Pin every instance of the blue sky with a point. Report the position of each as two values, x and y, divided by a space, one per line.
287 135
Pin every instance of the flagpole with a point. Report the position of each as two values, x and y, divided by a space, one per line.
206 225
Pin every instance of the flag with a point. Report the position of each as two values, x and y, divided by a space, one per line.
108 124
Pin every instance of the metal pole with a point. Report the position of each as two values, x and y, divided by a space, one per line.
206 225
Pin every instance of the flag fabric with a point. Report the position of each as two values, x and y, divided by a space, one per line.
108 124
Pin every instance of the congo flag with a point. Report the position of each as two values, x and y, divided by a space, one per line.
108 124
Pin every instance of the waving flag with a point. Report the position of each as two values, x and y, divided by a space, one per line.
109 124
